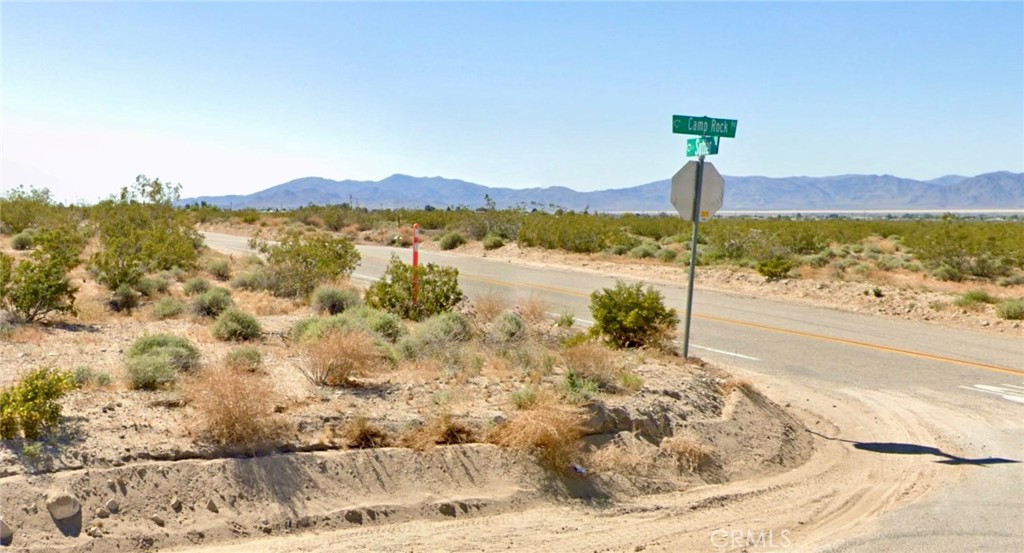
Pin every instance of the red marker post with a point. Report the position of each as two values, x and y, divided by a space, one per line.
415 263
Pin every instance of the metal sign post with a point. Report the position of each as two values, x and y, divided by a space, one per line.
708 132
693 257
415 263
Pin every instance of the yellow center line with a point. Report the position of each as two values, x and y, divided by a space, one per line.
811 335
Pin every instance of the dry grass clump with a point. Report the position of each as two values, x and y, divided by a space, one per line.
440 430
631 455
534 310
594 361
489 306
361 434
235 407
689 454
339 356
551 431
731 384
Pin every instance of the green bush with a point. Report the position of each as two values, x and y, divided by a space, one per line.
146 286
168 307
236 326
508 328
1013 280
1011 309
298 263
140 232
32 405
24 240
150 372
580 389
38 286
644 251
21 209
493 242
84 376
438 290
436 335
220 269
124 299
195 286
251 280
975 296
775 268
627 316
667 255
180 353
451 241
213 302
334 300
244 357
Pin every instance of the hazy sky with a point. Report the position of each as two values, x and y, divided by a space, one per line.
234 97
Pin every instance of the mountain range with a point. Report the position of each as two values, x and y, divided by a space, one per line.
999 190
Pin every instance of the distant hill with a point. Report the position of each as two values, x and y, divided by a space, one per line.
1000 190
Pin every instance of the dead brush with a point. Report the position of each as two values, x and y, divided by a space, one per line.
534 311
234 407
339 356
489 306
361 434
440 430
730 384
594 361
549 430
689 454
631 455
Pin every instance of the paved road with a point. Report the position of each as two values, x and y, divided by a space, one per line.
976 380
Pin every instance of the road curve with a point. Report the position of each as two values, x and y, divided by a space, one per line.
911 403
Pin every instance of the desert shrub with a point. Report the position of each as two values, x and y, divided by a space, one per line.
168 307
334 300
140 232
31 406
123 299
24 240
947 273
339 356
690 455
775 268
451 241
213 302
630 381
180 353
509 327
551 431
628 316
299 263
244 358
440 430
524 398
195 286
367 319
982 249
39 286
21 209
150 372
251 280
489 306
579 388
644 251
235 408
236 326
493 242
593 361
220 269
438 290
975 297
1014 280
361 434
146 286
436 335
565 320
575 232
85 376
1011 309
667 255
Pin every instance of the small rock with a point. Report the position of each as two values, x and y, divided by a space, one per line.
112 506
157 519
94 532
63 506
212 506
176 504
5 532
102 512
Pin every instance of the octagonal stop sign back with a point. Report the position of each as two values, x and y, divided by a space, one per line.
684 188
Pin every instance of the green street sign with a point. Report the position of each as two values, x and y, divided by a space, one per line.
702 146
704 126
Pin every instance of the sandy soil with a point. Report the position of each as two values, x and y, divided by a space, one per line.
777 466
